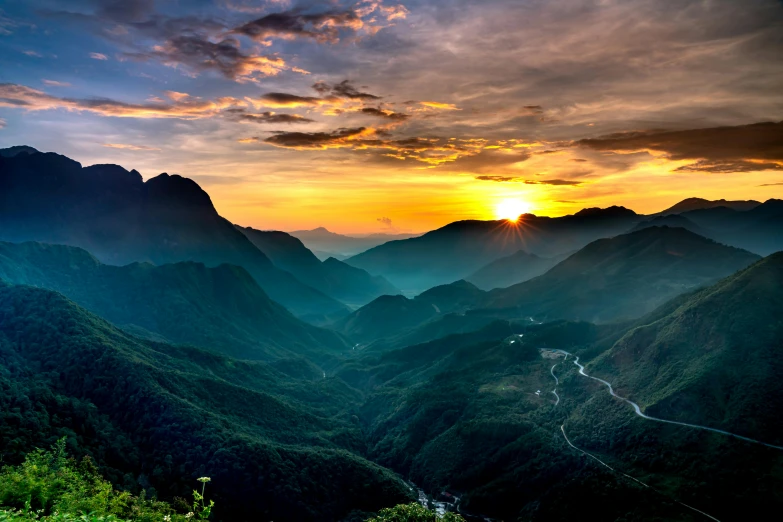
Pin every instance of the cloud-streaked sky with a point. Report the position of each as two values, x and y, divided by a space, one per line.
375 115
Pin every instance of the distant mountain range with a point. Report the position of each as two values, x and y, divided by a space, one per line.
622 277
513 269
686 205
350 285
328 243
459 249
759 229
391 315
119 218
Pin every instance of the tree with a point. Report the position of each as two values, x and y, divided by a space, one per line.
413 513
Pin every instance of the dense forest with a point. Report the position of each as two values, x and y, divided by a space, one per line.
154 416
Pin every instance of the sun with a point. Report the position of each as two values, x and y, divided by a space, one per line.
511 208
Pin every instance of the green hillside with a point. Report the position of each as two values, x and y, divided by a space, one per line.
220 308
623 277
156 417
713 358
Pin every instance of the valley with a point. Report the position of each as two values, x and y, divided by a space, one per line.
631 360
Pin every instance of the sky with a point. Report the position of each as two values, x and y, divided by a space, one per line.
384 116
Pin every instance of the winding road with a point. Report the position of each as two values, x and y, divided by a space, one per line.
641 414
631 478
557 382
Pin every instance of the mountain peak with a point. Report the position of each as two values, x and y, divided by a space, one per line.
609 212
16 150
689 204
178 189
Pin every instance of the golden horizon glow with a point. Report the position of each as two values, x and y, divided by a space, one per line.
511 209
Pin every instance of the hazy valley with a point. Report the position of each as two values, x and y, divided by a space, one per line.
166 343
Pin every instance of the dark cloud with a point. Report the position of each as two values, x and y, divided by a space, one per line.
724 167
557 182
282 99
314 140
321 27
497 178
241 114
771 184
391 115
387 222
742 148
506 179
343 89
199 54
433 151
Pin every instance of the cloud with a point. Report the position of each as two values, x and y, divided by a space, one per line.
385 221
279 100
98 56
742 148
127 146
268 117
335 99
440 106
54 83
34 54
430 150
181 105
505 179
321 27
771 184
340 138
725 167
344 89
197 54
383 113
3 123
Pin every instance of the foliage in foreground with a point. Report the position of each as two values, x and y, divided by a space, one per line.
413 512
49 486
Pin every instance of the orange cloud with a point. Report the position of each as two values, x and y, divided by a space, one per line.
432 151
129 147
440 106
182 105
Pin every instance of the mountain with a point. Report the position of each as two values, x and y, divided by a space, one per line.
672 221
510 270
221 307
459 249
712 358
686 205
474 415
115 215
392 315
16 150
622 277
322 240
759 230
155 416
332 277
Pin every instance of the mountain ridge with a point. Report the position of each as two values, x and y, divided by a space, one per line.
120 218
